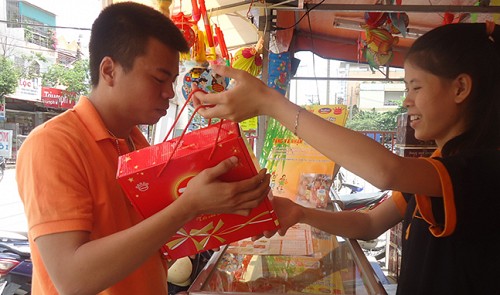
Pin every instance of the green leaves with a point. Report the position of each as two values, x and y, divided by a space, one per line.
9 76
373 120
75 78
275 145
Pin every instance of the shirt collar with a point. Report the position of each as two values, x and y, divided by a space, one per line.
90 117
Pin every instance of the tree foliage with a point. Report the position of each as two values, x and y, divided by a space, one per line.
76 78
9 76
373 120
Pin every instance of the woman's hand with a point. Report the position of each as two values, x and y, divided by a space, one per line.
247 97
289 213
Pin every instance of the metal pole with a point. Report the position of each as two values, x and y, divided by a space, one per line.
395 8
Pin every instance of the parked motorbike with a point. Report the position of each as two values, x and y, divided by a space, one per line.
2 167
16 267
15 264
363 201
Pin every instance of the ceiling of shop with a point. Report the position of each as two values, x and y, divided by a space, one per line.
334 27
330 28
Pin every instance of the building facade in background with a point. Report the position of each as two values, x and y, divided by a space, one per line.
323 81
27 37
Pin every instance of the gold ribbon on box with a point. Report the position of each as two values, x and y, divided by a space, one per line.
182 235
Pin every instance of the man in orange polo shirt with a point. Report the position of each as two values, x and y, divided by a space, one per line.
86 237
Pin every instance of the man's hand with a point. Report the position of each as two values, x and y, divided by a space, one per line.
206 194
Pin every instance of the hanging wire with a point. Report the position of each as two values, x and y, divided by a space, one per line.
302 17
44 26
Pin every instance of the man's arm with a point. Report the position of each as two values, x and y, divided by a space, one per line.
78 265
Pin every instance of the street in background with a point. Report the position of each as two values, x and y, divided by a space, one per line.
11 208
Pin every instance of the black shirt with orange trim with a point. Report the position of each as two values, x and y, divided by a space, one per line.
451 243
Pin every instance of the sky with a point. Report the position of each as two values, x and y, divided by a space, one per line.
72 13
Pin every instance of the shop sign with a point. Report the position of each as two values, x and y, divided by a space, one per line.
57 98
2 109
298 171
6 143
28 89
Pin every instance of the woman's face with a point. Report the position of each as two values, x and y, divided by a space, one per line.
430 100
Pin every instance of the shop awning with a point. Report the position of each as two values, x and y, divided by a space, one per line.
331 28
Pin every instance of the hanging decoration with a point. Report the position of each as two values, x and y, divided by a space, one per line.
378 47
249 58
206 47
186 25
478 17
450 18
378 38
164 7
205 79
398 23
279 71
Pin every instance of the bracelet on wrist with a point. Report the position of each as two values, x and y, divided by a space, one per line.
297 117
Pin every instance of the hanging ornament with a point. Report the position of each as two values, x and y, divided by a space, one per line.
249 59
196 10
380 40
185 25
398 22
204 79
164 7
221 42
378 46
375 19
375 60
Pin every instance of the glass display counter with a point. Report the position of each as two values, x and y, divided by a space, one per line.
334 266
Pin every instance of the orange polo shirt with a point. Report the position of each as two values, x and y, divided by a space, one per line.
66 174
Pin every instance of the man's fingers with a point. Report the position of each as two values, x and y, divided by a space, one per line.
221 168
250 199
262 178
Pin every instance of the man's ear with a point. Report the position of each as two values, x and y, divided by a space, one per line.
107 70
463 87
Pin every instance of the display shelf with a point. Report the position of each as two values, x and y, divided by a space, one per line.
337 266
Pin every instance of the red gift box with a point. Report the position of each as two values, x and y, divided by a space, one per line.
155 176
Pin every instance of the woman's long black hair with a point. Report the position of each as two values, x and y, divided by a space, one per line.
455 49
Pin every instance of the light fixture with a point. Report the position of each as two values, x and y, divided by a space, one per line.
358 26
